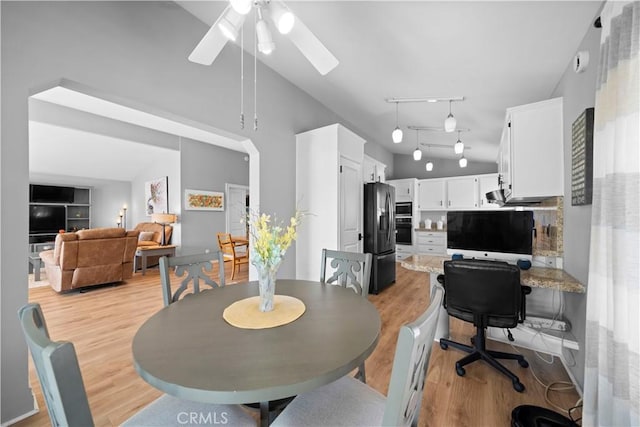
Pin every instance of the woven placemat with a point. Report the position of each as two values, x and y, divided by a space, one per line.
246 313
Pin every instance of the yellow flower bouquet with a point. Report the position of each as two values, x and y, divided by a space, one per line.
271 240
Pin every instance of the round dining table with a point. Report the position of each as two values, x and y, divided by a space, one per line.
189 351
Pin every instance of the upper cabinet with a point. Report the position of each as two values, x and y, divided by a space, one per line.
431 194
456 193
373 170
405 189
462 192
530 160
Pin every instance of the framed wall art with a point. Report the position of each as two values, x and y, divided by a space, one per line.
582 159
197 200
156 196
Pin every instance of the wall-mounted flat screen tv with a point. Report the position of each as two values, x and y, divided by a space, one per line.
46 219
505 235
50 194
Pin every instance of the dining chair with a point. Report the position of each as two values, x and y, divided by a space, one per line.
349 402
346 266
228 249
64 393
195 267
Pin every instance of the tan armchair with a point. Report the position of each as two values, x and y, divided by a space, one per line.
151 235
90 257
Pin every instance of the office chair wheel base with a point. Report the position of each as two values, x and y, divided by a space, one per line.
518 386
460 371
444 345
523 363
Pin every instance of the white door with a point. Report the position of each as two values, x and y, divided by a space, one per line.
237 209
350 205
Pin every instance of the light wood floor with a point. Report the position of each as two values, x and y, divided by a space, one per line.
101 323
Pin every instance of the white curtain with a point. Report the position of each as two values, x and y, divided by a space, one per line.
612 365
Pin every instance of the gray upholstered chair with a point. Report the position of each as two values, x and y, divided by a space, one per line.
346 266
60 378
195 267
348 402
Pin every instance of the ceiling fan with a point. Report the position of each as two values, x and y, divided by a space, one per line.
229 23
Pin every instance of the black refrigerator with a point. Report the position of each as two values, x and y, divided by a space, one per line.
380 233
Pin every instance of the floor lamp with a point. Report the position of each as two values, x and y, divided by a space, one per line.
163 219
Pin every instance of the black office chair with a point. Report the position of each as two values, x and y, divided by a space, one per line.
486 293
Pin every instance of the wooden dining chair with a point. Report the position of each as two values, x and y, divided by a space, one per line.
195 267
346 266
63 389
228 249
348 402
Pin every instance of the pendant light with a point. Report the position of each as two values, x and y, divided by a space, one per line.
417 154
450 121
462 162
429 166
396 135
458 148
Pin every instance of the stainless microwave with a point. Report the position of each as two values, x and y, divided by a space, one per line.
404 209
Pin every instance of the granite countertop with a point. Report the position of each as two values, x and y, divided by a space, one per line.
537 277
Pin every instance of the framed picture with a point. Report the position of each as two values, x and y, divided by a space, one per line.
156 196
199 200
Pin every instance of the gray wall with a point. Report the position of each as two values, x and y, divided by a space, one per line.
199 228
135 51
578 91
405 167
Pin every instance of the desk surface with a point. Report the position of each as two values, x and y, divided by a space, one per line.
189 351
537 277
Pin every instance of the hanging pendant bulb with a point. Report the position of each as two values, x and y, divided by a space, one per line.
265 42
417 154
396 135
429 166
450 121
462 162
241 6
458 148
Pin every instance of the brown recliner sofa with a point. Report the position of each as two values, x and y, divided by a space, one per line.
90 257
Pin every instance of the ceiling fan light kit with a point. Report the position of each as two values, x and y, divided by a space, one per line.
265 41
241 6
282 17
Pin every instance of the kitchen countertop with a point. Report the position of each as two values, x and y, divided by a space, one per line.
537 277
431 230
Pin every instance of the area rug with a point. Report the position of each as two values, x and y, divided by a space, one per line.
40 283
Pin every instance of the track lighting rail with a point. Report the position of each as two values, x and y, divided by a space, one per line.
428 99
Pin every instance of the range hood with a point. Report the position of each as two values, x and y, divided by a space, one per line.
498 197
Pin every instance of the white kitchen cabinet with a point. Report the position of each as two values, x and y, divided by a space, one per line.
329 187
462 192
431 194
403 251
405 189
373 170
431 242
487 183
531 152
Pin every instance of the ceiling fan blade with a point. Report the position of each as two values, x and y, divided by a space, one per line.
212 43
312 48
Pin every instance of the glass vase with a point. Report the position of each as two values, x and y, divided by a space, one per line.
267 286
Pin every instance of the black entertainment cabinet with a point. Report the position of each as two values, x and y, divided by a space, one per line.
53 208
